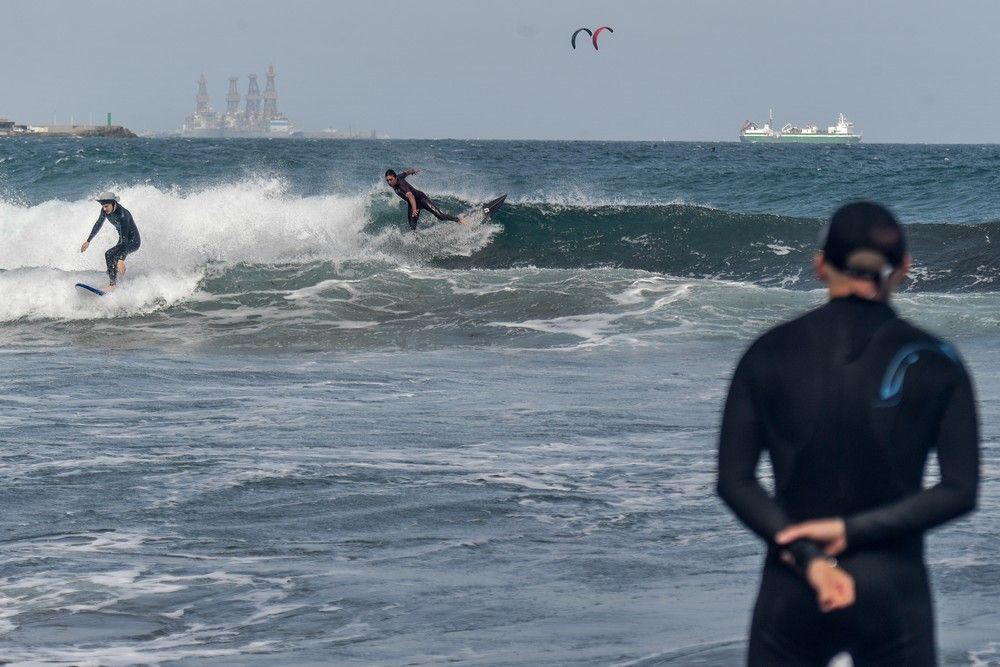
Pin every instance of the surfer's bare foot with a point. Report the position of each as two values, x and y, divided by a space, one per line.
110 288
464 220
121 267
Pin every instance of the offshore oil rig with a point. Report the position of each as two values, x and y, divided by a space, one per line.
259 117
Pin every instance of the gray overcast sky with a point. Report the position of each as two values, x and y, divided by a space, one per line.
906 71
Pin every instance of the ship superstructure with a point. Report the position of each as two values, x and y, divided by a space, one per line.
841 133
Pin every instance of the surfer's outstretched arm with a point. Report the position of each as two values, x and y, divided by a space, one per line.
93 233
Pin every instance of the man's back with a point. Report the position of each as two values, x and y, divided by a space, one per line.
848 400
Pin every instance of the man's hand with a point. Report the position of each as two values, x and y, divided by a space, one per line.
834 587
831 532
83 248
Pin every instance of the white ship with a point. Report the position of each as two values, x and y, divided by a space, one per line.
841 133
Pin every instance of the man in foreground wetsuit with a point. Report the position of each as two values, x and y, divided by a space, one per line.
848 400
417 200
128 235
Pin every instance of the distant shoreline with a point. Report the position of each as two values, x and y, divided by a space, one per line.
73 132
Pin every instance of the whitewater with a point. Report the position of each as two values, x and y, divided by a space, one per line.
301 434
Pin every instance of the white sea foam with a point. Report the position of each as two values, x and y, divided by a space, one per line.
252 221
248 221
654 304
780 249
161 649
988 656
47 293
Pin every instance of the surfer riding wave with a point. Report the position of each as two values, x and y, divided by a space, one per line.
128 235
417 200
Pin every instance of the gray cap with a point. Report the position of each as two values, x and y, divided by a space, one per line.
107 196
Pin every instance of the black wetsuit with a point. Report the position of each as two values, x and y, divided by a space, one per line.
848 400
128 238
423 201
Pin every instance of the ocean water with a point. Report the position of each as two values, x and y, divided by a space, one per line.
300 434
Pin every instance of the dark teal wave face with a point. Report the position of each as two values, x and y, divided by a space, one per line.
699 242
675 240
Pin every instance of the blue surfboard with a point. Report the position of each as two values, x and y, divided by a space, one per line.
91 289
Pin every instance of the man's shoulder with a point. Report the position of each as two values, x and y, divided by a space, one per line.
771 344
789 331
905 330
908 341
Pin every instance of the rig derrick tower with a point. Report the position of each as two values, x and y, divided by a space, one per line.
233 98
201 99
270 96
253 102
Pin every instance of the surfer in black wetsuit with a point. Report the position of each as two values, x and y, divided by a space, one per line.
128 235
848 400
416 199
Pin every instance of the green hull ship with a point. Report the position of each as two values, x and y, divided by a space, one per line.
841 133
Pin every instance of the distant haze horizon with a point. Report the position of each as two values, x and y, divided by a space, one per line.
913 72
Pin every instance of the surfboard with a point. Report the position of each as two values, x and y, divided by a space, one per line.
88 288
490 207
